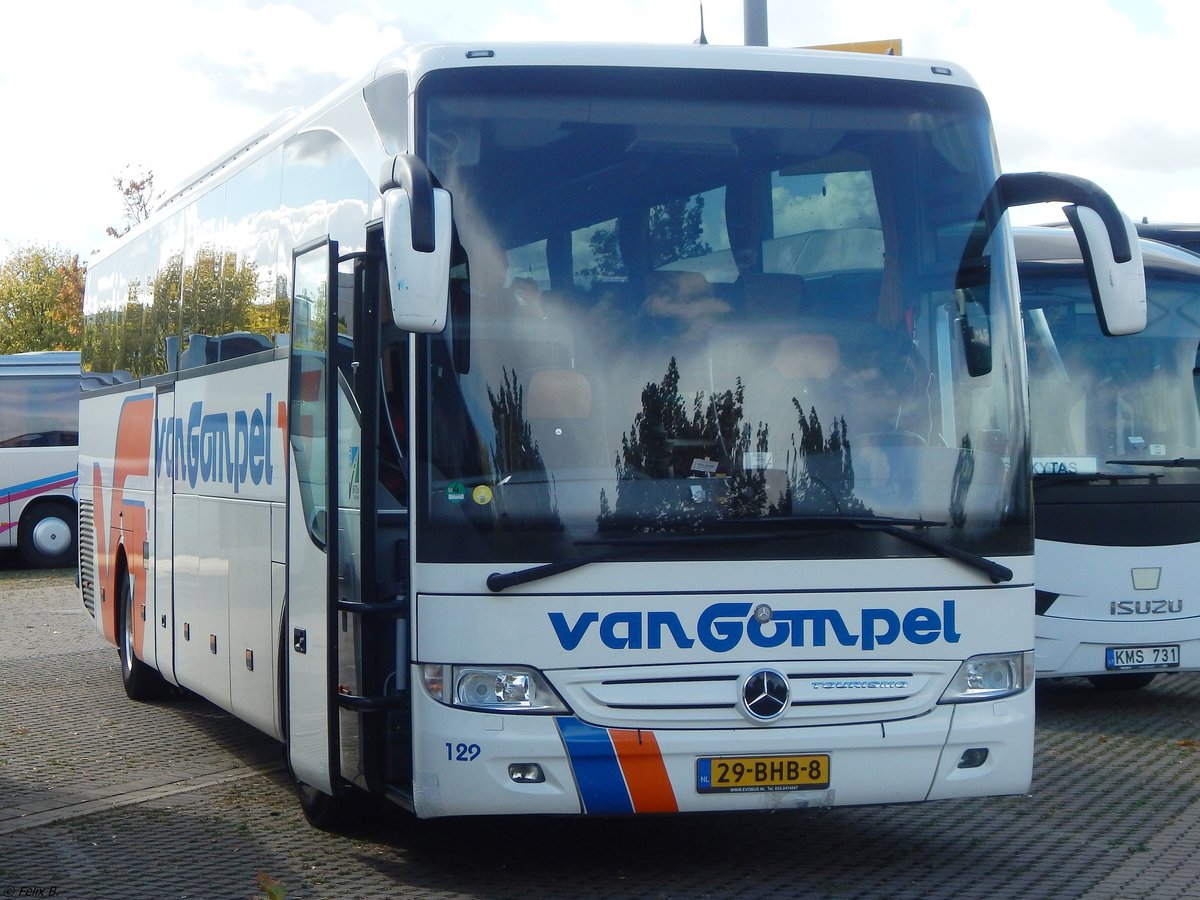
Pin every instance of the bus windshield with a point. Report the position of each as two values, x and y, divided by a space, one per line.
1124 407
727 304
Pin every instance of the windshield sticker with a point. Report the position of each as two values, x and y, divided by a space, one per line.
1065 465
482 495
456 492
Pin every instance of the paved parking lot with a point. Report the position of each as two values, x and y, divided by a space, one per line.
101 797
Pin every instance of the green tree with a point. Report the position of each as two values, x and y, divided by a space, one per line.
41 296
821 467
668 438
673 231
221 295
516 453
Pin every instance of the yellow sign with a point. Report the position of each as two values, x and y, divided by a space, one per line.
886 48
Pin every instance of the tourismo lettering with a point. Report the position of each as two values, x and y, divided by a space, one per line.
207 447
723 626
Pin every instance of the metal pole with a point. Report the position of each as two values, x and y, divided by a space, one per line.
755 18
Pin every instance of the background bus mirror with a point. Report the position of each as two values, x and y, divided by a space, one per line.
419 279
1118 288
977 335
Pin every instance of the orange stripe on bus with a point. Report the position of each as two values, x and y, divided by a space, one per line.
645 774
121 524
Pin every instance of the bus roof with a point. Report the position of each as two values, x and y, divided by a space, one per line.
1052 244
42 362
417 60
1181 234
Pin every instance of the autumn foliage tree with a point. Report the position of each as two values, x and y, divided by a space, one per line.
41 287
220 292
137 199
41 294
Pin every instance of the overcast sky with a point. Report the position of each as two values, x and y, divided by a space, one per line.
88 89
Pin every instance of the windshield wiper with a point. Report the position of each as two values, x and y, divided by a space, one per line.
994 570
896 526
623 547
1182 462
1091 477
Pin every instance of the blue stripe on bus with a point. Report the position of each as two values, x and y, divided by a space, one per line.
597 771
40 482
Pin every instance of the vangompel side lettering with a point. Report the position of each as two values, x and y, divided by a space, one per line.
207 447
721 627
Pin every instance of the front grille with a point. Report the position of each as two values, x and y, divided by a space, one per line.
822 693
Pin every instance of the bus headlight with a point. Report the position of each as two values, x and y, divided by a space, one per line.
990 677
491 688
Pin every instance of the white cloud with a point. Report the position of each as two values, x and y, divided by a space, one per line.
92 88
1081 86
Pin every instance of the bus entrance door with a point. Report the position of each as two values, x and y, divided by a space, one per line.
309 624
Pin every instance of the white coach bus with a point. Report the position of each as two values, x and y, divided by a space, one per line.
589 429
1116 462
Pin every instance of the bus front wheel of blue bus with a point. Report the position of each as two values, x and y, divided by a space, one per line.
46 535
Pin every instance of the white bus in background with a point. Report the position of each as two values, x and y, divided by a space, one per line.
1116 463
588 429
39 432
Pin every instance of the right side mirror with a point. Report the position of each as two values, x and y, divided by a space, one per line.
1112 255
1118 288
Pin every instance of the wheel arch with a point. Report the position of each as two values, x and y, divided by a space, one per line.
120 570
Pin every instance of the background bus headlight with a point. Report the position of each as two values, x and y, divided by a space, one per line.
491 688
990 677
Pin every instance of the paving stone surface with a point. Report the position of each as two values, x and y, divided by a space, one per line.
102 797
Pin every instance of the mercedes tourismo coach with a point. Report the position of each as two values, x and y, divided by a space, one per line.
588 429
1116 463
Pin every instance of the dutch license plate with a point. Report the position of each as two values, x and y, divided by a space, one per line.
1149 657
737 774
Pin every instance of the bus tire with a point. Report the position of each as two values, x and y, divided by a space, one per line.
323 811
46 535
1124 681
141 681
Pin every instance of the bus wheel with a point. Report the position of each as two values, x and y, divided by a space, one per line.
141 681
46 536
1126 681
323 811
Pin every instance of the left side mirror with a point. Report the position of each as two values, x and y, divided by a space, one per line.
417 220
